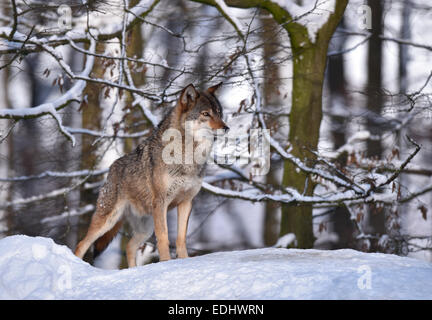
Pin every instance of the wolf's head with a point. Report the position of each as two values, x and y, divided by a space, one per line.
201 109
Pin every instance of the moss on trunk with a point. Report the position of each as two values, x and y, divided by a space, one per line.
309 63
91 117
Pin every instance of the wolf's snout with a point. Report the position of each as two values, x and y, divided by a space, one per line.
226 128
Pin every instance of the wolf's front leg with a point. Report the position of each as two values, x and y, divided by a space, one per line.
161 231
183 212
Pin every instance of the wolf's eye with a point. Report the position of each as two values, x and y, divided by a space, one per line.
206 114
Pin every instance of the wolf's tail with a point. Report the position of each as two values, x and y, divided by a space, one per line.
102 243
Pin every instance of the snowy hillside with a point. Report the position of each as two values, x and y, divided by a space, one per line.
37 268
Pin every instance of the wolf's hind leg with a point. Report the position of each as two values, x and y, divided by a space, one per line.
101 223
132 247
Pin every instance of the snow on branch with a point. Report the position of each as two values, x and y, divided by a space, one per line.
40 197
129 59
294 197
348 197
346 182
227 14
68 214
313 14
23 43
100 134
87 78
81 33
347 191
56 174
50 195
53 107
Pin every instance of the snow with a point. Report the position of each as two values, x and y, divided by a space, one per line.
51 107
313 14
230 13
37 268
286 240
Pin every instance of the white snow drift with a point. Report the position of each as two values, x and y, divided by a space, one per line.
37 268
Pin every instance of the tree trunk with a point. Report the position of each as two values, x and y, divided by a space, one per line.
405 33
305 120
7 149
91 119
272 101
374 102
309 63
374 86
336 84
26 157
134 48
341 223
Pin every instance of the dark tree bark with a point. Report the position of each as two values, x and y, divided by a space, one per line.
341 223
375 101
91 119
337 87
374 85
7 147
272 101
305 119
405 33
134 48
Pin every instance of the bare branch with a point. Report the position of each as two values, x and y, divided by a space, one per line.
51 108
15 20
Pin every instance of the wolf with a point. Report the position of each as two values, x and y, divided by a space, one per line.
141 186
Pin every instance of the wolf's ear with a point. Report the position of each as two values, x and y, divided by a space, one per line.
213 89
188 97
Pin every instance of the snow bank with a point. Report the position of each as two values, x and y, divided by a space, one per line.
37 268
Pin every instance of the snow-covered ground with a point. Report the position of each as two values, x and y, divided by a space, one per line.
37 268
